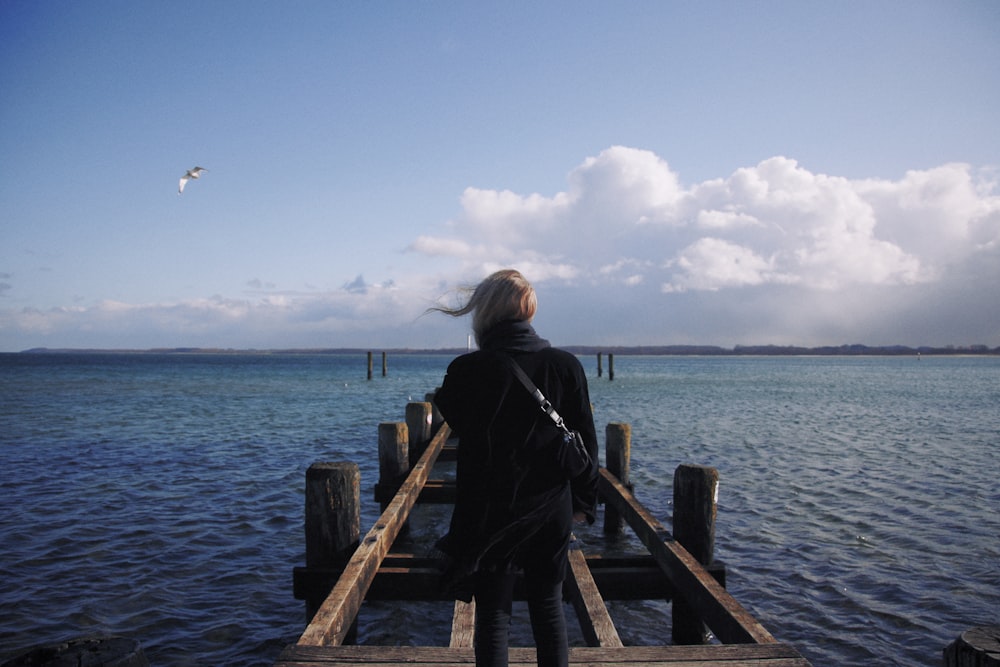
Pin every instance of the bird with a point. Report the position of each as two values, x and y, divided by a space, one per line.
191 173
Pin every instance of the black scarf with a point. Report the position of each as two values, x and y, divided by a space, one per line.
512 336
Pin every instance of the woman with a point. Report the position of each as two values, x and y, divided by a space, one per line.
514 510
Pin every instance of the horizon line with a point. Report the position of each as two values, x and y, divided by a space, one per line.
853 349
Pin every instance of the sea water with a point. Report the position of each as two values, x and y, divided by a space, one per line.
161 496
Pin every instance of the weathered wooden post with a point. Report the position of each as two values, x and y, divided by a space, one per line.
418 421
333 521
976 647
369 365
393 455
618 454
385 365
611 366
696 497
600 369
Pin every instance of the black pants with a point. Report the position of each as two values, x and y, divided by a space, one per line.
494 593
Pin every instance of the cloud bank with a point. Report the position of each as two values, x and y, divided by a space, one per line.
626 217
771 253
629 254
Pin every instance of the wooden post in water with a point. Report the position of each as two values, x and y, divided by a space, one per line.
696 496
385 365
393 455
600 369
618 454
611 366
333 520
369 365
418 421
976 647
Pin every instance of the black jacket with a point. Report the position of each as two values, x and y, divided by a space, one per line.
502 504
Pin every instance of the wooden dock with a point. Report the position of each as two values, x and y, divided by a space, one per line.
342 569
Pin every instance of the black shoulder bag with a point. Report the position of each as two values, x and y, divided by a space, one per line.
567 448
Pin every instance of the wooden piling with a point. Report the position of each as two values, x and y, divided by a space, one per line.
600 369
385 365
333 519
369 365
418 420
618 454
611 366
696 496
393 455
976 647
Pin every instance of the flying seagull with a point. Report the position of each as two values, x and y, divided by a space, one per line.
191 173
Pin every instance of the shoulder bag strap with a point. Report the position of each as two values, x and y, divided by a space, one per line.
535 392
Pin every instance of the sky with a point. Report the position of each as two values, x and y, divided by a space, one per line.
718 173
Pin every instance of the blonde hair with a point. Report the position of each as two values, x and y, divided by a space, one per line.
503 295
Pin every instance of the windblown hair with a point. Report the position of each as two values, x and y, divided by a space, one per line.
504 295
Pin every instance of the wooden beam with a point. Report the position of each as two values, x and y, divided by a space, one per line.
407 577
333 619
595 621
463 625
730 622
731 655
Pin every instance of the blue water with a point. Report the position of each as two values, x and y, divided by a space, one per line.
161 497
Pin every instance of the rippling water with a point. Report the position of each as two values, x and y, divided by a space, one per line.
161 497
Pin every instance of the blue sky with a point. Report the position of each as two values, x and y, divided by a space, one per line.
727 173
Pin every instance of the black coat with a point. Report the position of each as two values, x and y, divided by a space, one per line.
506 511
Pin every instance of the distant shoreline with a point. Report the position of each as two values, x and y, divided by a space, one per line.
637 350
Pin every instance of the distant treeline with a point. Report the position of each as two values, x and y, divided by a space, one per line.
783 350
678 350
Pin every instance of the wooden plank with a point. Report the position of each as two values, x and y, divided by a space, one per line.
463 625
333 619
412 582
727 618
726 655
595 621
407 577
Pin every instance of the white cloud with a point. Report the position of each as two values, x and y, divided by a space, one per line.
713 264
712 219
941 214
504 215
791 226
625 185
438 247
627 271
